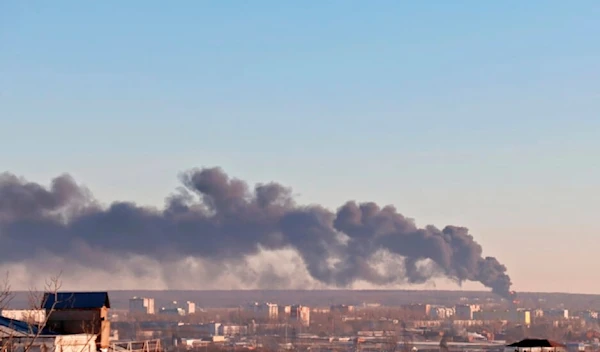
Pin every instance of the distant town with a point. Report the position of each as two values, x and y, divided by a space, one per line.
152 323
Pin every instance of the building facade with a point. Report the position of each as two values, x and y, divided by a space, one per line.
79 313
141 305
300 314
191 307
264 311
465 311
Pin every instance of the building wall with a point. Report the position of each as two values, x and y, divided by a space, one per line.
75 321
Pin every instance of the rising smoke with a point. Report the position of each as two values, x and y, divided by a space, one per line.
220 222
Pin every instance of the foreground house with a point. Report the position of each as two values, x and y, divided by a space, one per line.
79 313
75 322
20 336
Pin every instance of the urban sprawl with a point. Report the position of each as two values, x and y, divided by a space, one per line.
76 321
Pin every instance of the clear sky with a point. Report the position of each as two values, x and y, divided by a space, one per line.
476 113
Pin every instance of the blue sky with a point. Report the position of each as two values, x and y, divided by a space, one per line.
483 114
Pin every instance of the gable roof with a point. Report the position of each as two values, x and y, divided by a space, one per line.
75 300
527 343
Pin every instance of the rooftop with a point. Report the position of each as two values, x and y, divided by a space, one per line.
75 300
22 327
536 343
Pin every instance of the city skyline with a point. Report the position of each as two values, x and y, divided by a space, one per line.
475 114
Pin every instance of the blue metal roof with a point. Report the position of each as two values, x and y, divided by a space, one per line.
75 300
23 327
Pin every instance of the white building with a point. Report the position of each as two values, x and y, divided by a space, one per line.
191 307
141 305
300 314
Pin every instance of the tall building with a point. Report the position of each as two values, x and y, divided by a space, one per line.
191 307
141 305
300 314
268 311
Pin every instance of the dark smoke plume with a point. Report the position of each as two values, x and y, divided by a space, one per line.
222 220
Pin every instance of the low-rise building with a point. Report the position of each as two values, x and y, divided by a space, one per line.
233 330
465 311
79 313
441 312
513 316
172 311
341 308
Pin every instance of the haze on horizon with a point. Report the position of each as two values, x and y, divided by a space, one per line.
482 115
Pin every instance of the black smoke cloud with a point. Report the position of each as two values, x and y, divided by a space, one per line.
222 220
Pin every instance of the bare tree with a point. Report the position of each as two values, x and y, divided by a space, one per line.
6 294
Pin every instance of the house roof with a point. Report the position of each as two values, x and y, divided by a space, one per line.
75 300
22 327
527 343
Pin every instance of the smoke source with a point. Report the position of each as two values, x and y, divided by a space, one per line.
218 222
